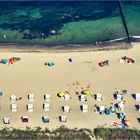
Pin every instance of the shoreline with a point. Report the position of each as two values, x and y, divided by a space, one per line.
24 48
115 44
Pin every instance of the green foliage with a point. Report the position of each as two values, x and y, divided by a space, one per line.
116 134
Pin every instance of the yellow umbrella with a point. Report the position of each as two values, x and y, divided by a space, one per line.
86 91
61 94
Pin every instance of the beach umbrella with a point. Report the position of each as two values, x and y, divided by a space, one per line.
62 94
107 111
86 91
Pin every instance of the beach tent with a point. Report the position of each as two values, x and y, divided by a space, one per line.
30 107
14 107
4 61
13 60
45 119
107 111
50 64
13 98
31 97
82 97
46 107
84 108
86 91
24 118
66 109
62 118
47 97
98 96
137 96
6 120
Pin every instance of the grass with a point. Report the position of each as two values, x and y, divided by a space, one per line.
66 133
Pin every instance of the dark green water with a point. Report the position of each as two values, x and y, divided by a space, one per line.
64 22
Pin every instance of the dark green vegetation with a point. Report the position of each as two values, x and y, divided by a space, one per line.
117 134
66 133
66 22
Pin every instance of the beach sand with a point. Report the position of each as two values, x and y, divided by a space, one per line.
31 75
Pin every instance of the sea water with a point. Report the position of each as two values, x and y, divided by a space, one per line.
66 22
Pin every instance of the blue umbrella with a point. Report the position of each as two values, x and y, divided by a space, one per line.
107 111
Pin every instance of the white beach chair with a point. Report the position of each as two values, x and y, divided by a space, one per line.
47 97
30 108
66 96
24 118
98 96
82 97
84 108
66 109
6 120
14 107
120 106
101 108
13 98
45 119
31 97
62 118
137 96
46 107
119 97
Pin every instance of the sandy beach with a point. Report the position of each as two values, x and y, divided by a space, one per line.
31 75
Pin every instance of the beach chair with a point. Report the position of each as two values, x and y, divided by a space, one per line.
137 107
46 107
31 97
98 96
45 119
13 98
30 107
66 96
14 107
137 96
101 109
66 109
84 108
119 97
47 97
120 106
82 97
6 120
24 119
63 118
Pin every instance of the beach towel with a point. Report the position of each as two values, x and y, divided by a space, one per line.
4 61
